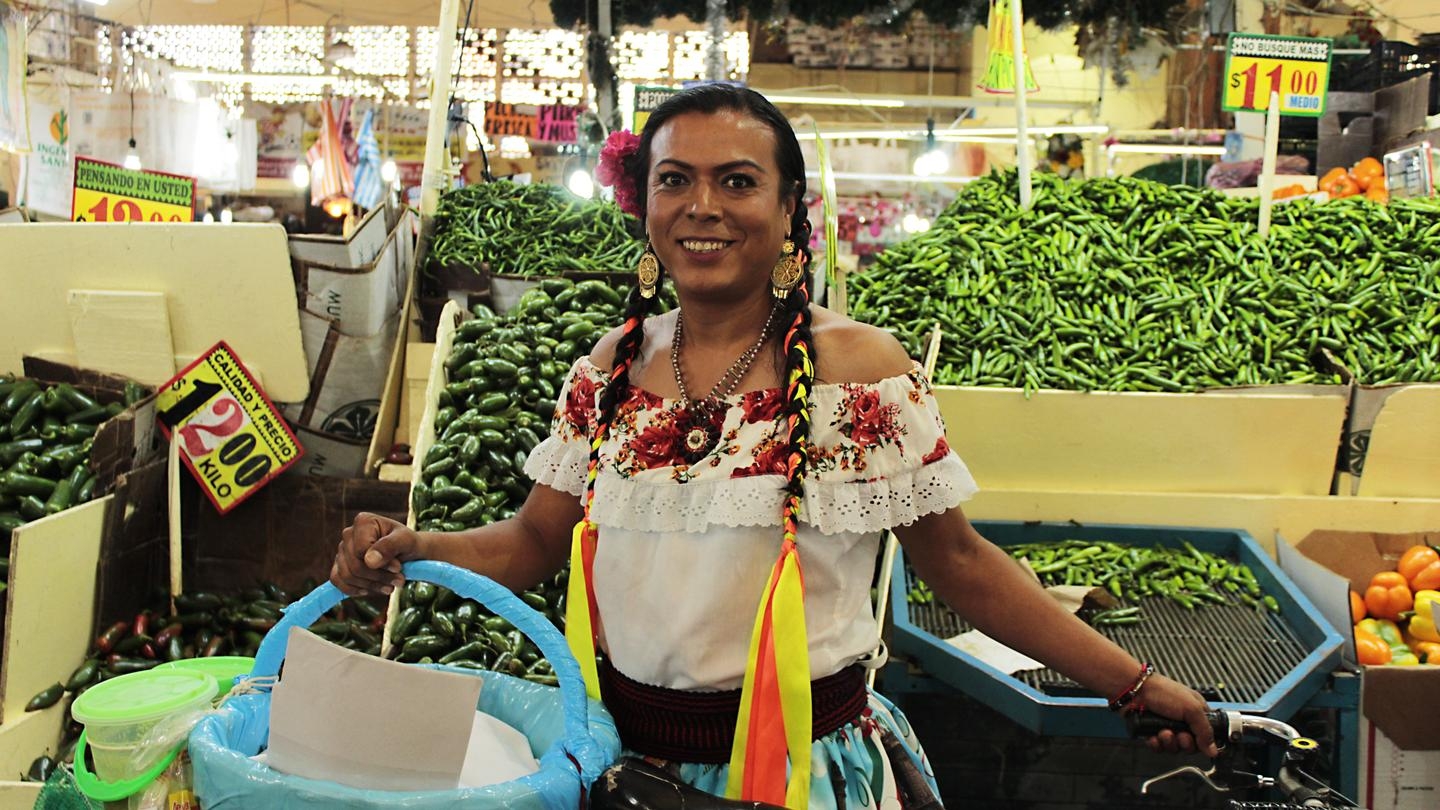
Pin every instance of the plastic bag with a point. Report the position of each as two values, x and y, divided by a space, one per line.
226 777
573 737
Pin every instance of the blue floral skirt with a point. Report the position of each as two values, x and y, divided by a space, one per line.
874 762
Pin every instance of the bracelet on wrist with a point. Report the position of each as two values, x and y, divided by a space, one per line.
1123 700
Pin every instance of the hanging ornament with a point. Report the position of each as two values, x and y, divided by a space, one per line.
1000 66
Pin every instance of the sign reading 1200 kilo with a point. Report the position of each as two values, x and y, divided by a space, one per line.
230 436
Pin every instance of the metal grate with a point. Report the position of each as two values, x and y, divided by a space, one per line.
1230 653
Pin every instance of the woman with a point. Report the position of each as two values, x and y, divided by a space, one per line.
817 432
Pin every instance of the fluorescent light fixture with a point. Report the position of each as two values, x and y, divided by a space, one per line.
97 2
288 79
1163 149
956 135
835 101
903 178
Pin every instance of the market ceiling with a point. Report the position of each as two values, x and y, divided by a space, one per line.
487 14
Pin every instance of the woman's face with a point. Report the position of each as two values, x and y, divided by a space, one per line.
717 209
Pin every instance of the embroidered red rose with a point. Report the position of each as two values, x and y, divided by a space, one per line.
872 422
763 406
771 458
580 403
942 449
662 444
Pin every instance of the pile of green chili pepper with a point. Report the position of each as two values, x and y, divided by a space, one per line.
45 436
1183 574
533 230
503 375
1128 285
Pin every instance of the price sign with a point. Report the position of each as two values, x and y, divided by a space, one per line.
105 192
231 437
646 100
504 120
1298 68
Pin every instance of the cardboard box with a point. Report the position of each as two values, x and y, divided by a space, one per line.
285 533
1327 565
1392 778
1392 441
355 251
361 299
123 442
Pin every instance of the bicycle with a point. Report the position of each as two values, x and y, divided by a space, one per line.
1294 779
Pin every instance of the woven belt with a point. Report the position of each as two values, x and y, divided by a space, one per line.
692 726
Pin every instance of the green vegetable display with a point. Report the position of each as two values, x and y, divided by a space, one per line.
1127 285
503 376
531 230
1183 574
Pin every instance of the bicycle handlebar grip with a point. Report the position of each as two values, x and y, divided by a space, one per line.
1148 724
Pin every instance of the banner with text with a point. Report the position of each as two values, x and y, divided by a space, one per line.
105 192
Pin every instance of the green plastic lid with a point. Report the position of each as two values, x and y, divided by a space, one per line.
223 668
141 696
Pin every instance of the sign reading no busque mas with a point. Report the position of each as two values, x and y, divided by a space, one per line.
1256 65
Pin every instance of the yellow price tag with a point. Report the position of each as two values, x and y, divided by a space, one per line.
105 192
1256 65
231 436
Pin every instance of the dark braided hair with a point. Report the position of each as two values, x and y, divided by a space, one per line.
798 345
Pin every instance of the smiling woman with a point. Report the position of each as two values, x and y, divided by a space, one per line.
686 516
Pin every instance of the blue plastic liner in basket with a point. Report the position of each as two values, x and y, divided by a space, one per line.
572 736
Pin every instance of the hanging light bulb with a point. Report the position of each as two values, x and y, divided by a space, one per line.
227 215
209 217
132 158
300 175
934 160
389 172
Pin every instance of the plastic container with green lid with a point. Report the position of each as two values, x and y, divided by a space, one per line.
135 725
223 668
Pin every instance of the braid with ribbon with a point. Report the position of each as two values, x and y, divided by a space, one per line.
777 674
580 630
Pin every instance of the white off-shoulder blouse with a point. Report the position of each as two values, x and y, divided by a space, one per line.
686 543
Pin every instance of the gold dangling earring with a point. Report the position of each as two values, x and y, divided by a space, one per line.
787 272
647 272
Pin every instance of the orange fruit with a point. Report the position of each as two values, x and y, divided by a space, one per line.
1367 166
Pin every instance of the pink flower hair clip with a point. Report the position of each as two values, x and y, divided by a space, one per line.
619 146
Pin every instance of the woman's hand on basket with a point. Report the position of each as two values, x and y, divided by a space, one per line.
370 553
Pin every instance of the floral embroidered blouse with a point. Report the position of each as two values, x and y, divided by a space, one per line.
687 540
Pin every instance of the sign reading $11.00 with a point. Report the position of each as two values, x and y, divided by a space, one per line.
230 436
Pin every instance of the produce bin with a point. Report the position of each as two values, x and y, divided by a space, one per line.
1259 441
1238 657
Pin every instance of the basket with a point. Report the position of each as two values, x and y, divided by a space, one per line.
572 736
